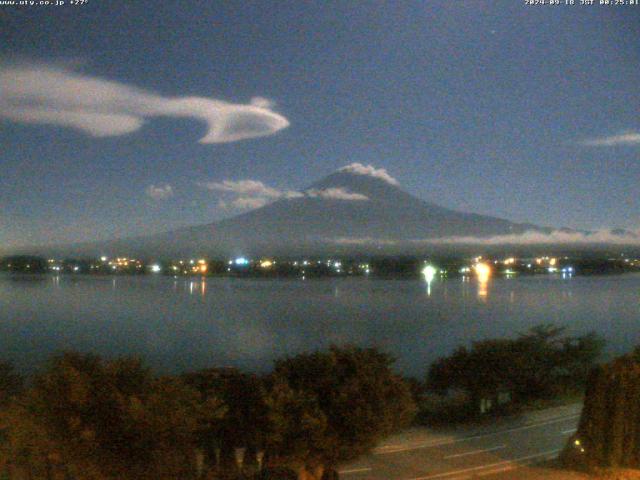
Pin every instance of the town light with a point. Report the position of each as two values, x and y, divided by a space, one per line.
429 273
483 271
155 268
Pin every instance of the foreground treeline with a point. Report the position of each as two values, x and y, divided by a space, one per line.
503 375
608 434
86 418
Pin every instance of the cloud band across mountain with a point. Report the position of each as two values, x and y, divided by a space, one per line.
558 237
45 94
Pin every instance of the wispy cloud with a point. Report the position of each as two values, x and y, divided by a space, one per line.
335 194
622 139
246 194
243 203
254 188
159 192
250 194
527 238
370 170
46 94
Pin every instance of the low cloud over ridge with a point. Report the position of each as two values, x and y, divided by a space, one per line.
45 94
631 238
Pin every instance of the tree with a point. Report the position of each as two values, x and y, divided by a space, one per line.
608 434
24 264
344 402
11 383
537 364
296 426
581 354
96 419
480 371
244 422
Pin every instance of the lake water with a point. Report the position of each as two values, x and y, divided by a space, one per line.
184 324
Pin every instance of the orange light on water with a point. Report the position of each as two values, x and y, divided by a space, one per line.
483 273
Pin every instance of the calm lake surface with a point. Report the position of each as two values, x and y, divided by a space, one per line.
183 324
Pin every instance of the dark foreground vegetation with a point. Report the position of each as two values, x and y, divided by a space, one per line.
608 435
504 375
86 418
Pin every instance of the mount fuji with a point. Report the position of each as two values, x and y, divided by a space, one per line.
356 208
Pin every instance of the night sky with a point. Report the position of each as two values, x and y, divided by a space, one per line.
115 115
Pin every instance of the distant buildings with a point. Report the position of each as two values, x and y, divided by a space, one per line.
406 267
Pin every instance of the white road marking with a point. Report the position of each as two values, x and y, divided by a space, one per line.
384 451
354 470
474 452
490 465
564 432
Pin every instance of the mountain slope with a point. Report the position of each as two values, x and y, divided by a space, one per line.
389 214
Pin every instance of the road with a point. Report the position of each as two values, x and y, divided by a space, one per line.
501 450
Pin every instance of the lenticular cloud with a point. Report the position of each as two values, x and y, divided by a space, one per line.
44 94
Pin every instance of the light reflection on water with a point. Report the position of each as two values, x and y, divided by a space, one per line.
187 323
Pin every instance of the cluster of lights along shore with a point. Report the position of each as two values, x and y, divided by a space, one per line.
480 267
